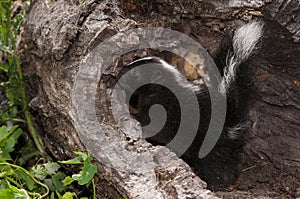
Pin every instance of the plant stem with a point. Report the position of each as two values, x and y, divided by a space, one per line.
94 189
28 174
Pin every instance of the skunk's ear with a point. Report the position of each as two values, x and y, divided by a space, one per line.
157 75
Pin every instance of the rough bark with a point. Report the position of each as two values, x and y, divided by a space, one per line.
272 151
58 34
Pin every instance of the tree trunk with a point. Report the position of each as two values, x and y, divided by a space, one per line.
59 34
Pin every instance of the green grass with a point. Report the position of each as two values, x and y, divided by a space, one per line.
15 88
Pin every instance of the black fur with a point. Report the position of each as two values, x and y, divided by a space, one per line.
219 167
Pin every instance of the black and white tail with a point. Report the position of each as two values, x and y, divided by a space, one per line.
245 40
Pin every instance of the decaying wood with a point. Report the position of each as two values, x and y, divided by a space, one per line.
57 36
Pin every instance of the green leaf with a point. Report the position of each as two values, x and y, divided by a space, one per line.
58 195
52 195
68 180
5 155
3 184
28 180
3 133
52 167
2 174
39 172
22 194
5 48
10 144
8 140
19 193
48 182
83 155
16 132
4 67
7 194
68 195
84 198
57 181
77 160
88 160
9 171
86 175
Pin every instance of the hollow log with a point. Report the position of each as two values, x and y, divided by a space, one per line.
59 34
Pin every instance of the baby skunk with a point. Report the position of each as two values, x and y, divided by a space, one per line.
218 168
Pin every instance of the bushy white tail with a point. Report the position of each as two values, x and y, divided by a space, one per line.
245 39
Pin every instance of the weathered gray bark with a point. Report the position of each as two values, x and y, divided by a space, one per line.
58 34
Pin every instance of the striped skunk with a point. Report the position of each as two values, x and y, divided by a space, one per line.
219 167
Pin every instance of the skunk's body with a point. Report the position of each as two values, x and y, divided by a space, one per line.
219 167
